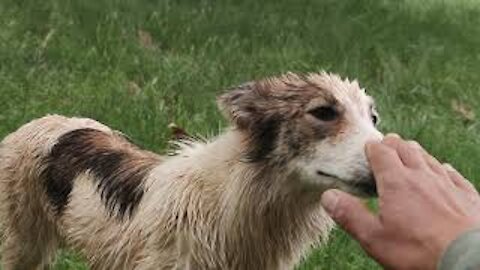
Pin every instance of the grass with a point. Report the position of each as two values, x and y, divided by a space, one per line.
138 65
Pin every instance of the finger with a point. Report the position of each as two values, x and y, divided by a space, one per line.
385 162
434 165
432 162
411 157
350 214
459 180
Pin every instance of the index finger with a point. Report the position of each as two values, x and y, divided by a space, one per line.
384 162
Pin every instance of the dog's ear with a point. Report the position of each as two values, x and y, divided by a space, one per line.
255 102
247 107
241 104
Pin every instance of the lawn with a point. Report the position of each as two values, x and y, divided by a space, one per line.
138 65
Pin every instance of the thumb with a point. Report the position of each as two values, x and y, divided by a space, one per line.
350 213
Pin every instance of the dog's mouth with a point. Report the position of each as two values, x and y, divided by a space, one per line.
322 173
365 187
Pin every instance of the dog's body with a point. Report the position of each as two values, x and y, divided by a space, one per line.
247 200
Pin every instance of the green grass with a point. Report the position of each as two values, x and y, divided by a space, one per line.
86 58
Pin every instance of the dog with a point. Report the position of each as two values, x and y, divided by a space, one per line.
247 199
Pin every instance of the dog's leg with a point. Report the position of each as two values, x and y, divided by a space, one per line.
21 252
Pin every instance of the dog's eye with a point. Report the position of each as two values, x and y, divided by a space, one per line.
324 113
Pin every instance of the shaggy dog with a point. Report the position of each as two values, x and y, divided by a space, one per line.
249 199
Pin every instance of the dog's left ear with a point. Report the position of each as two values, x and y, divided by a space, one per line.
241 104
246 106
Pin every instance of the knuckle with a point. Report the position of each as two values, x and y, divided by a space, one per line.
397 179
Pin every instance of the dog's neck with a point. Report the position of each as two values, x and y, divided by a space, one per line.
262 209
263 179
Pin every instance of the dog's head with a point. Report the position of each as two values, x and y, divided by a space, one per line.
315 126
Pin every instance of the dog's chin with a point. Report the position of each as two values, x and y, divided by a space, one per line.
364 187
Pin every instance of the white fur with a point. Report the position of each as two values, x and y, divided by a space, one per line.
204 208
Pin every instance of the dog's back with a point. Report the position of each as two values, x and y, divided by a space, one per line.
40 166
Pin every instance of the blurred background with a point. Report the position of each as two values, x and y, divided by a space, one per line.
138 65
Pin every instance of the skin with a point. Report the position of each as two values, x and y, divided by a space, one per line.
423 206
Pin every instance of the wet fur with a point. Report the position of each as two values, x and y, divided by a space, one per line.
232 203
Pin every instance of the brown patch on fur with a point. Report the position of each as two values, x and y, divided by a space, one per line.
119 167
272 113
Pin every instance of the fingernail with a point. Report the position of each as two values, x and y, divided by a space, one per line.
393 135
415 144
449 167
329 200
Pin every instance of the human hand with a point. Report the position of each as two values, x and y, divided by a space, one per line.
423 206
